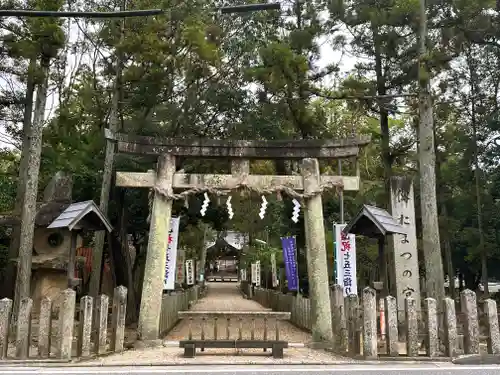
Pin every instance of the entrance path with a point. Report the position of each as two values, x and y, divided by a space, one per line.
227 297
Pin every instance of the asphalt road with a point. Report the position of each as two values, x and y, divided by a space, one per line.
396 369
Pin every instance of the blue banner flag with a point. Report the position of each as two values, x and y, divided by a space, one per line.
289 246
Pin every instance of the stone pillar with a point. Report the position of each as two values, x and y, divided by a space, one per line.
23 328
66 323
490 310
471 329
44 326
352 306
405 256
432 341
101 321
5 310
450 327
370 342
118 319
85 326
338 318
411 327
317 264
391 324
154 272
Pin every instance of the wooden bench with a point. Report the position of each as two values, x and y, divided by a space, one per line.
191 344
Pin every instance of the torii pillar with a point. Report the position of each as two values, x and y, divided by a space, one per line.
317 262
154 272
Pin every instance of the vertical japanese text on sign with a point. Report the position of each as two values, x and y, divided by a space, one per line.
171 255
289 246
345 257
257 273
189 272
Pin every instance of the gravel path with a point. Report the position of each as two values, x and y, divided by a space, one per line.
226 297
175 356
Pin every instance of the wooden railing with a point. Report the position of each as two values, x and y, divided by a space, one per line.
175 302
298 306
235 338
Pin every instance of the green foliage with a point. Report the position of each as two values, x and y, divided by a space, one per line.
8 168
190 73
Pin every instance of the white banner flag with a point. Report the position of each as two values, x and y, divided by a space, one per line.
170 269
253 273
257 273
180 277
189 272
345 256
243 274
274 270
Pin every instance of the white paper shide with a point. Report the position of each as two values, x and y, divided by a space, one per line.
189 272
170 265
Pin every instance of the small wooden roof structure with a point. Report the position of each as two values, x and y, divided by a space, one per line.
374 222
82 215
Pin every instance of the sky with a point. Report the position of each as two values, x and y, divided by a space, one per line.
328 55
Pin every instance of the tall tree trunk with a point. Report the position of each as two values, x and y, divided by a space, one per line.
427 165
384 256
124 264
479 208
28 212
10 275
445 234
477 183
107 176
447 251
138 270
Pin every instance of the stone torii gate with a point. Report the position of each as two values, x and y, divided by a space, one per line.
166 182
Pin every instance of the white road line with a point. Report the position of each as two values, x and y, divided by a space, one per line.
154 370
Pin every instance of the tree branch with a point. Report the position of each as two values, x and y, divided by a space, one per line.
359 97
8 102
